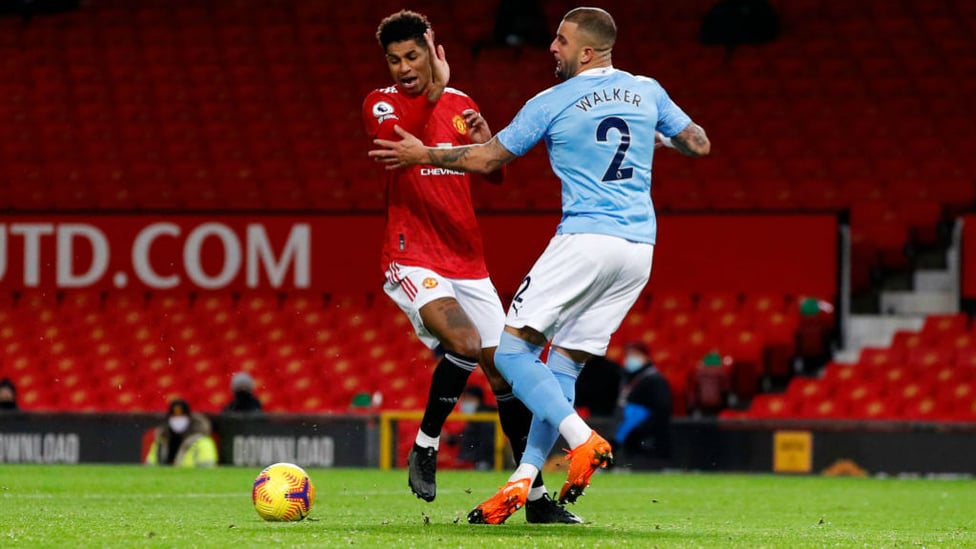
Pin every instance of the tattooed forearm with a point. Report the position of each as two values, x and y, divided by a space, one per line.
449 158
692 141
484 158
495 164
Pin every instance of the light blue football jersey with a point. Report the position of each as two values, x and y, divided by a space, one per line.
599 130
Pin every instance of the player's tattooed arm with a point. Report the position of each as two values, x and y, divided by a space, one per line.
483 158
409 151
692 141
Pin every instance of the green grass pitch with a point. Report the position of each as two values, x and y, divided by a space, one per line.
132 506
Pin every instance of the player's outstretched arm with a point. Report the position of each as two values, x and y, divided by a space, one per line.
479 132
482 158
690 141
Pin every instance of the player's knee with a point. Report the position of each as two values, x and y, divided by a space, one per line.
496 381
466 343
498 384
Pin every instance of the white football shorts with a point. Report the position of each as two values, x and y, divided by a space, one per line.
580 289
413 287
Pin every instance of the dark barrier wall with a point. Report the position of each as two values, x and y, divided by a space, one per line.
319 441
877 447
794 254
351 441
314 441
72 438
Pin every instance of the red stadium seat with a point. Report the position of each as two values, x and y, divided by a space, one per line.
912 391
875 359
724 323
925 408
664 305
825 408
761 304
747 351
903 341
779 330
895 376
940 328
771 406
805 389
929 358
873 409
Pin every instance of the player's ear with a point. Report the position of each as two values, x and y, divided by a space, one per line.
586 55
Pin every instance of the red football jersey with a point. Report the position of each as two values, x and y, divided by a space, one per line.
430 220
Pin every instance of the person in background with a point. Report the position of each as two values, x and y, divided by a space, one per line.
645 401
244 401
598 387
8 396
184 441
478 438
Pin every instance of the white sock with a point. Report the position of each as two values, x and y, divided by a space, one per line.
524 470
536 492
574 430
425 441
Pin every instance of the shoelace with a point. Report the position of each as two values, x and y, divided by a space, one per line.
551 506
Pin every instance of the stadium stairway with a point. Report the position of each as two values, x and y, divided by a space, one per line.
927 374
929 292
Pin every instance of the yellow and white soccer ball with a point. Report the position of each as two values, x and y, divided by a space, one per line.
283 492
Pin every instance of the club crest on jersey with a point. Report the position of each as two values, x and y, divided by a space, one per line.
429 283
459 124
383 111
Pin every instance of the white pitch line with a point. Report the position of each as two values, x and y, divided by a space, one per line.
12 494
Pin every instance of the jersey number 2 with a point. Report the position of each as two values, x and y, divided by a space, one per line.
614 171
524 286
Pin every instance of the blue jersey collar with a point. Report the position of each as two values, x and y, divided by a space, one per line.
599 71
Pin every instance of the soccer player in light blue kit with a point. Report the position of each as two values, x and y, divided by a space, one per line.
601 126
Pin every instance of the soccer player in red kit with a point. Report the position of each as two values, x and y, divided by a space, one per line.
433 256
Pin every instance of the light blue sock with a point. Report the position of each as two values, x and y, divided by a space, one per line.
542 436
531 380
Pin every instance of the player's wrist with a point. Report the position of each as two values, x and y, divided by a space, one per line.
666 141
435 92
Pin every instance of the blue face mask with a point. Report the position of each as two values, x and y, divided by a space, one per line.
469 407
632 363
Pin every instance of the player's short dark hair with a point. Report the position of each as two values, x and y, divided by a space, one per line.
401 26
596 23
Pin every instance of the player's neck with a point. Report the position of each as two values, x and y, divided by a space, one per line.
594 66
601 63
422 93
